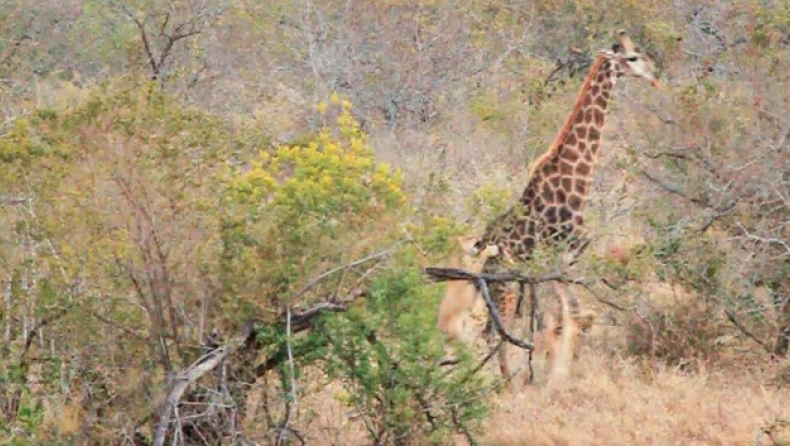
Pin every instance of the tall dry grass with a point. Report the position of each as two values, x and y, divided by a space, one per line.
612 401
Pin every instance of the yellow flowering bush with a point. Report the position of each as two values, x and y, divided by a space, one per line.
334 174
294 207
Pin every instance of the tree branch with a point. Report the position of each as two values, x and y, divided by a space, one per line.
211 360
333 271
492 310
437 274
12 49
746 332
205 364
673 189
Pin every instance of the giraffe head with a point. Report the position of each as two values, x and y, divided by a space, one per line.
628 60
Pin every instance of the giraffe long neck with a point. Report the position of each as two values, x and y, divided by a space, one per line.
574 152
563 175
558 185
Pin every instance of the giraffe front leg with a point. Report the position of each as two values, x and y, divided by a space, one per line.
507 311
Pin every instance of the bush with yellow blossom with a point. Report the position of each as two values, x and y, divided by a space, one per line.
299 209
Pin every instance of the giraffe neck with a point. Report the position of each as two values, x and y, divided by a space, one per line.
580 136
553 202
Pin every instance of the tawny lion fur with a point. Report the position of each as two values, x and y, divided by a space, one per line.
462 296
557 344
559 341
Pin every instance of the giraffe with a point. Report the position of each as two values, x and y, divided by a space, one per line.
550 210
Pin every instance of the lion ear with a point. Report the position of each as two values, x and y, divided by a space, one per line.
469 245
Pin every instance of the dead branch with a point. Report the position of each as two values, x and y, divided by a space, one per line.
440 274
719 213
205 364
772 241
673 189
180 31
244 340
603 300
13 48
494 312
746 332
437 274
290 404
340 268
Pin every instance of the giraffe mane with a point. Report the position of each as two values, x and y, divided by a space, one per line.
554 148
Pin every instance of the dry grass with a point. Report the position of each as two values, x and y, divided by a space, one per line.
614 402
608 401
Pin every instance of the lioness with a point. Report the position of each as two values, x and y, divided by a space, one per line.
462 295
558 342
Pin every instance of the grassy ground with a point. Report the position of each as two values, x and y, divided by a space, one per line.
613 402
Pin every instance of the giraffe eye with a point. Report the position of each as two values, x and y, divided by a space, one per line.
632 59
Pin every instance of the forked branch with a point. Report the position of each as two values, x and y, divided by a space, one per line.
245 339
492 310
482 279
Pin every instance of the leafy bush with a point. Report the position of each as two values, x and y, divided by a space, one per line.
386 356
299 210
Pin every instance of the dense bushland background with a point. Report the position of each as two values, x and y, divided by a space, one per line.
263 182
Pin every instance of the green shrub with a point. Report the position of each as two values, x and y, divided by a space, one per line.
386 355
299 210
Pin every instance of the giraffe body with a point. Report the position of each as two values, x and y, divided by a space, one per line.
550 210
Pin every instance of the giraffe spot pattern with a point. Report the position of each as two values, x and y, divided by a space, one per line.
572 155
599 117
581 187
565 214
551 215
575 202
547 193
549 168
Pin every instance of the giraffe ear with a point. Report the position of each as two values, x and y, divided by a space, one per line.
625 42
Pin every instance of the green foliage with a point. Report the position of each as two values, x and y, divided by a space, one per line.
386 355
152 222
299 209
490 201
